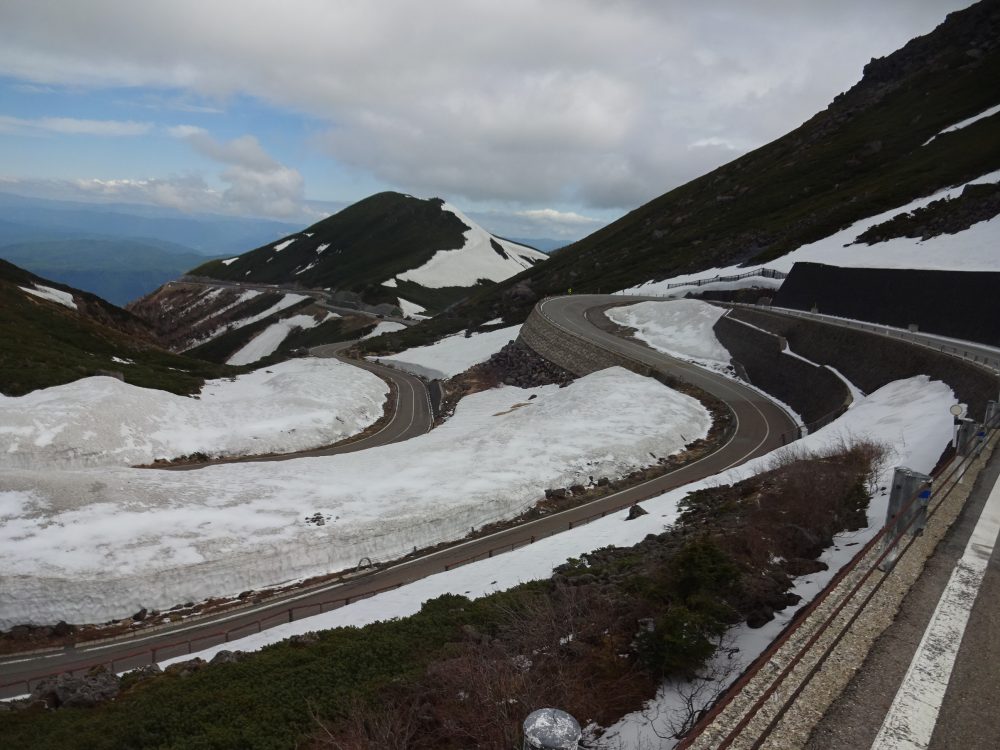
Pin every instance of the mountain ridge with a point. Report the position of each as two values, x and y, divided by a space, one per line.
379 247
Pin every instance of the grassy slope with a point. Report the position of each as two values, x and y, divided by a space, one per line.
47 344
860 156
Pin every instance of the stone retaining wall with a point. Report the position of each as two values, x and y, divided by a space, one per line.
569 351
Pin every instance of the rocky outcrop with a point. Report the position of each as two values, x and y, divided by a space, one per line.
67 691
975 204
518 365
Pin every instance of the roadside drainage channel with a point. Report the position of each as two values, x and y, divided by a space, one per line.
785 693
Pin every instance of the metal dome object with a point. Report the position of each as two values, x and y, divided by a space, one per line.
551 729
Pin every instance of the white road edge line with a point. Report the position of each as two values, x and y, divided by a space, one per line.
910 722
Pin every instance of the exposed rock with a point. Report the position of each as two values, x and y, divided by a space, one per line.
304 639
66 691
227 657
140 615
577 489
635 511
185 668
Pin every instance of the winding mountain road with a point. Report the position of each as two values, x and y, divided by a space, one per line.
410 416
761 426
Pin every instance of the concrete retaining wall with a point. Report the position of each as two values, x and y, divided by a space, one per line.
814 392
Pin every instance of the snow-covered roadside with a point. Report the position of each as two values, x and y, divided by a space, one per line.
141 538
911 416
100 421
452 354
971 250
384 326
681 328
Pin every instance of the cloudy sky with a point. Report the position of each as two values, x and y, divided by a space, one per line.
543 118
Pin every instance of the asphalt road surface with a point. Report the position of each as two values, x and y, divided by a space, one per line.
761 427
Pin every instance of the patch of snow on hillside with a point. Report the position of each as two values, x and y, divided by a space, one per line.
965 123
282 245
101 421
321 248
410 309
910 415
303 270
52 295
147 538
286 301
681 328
230 261
385 326
267 341
475 260
391 283
452 354
973 249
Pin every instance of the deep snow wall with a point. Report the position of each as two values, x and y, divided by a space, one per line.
814 392
871 361
961 304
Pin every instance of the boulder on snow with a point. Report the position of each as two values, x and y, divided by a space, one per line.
635 511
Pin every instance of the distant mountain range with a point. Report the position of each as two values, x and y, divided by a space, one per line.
24 219
119 270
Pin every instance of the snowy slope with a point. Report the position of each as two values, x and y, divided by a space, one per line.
477 259
452 354
974 249
100 421
267 341
681 328
385 326
911 415
154 538
53 295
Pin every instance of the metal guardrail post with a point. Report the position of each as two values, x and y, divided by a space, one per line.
902 515
965 436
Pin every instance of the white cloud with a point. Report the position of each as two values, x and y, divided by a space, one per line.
558 217
257 184
533 102
73 126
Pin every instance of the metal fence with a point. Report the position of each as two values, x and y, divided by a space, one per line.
889 537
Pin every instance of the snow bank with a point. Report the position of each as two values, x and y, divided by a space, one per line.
134 538
681 328
267 341
910 415
100 421
452 354
971 250
385 326
52 295
411 309
475 260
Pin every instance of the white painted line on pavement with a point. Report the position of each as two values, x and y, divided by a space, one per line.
910 723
